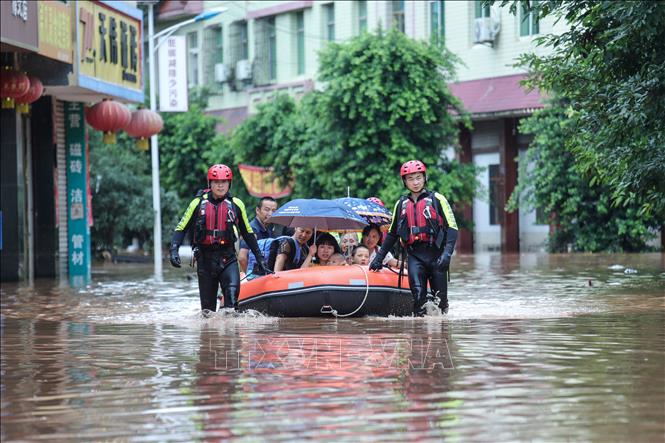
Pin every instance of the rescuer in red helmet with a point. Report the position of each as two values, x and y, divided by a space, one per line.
212 216
424 222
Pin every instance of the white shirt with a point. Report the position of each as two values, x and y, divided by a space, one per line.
386 260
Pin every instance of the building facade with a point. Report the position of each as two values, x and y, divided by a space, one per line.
82 52
256 49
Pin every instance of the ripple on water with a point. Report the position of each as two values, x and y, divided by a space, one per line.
528 351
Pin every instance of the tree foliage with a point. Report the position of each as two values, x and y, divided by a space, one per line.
610 67
581 213
385 100
122 194
185 147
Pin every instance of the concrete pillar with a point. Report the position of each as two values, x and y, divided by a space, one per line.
465 240
508 153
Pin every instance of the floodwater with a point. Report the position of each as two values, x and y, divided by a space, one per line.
535 347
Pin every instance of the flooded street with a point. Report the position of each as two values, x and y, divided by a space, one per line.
535 347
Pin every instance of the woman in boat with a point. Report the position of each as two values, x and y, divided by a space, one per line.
372 239
326 246
424 221
293 251
213 216
348 242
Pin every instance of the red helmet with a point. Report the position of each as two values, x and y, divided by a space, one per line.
220 172
412 166
376 200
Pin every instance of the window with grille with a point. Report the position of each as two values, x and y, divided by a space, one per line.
329 20
482 10
219 44
362 16
437 21
272 48
243 41
300 41
495 191
193 58
528 21
398 14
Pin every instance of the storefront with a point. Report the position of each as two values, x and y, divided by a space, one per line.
83 52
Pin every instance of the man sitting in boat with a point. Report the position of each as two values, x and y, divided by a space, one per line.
262 229
293 251
326 246
214 216
425 223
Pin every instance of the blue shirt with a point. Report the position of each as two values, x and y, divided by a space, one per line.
260 231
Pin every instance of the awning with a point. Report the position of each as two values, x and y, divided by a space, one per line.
497 95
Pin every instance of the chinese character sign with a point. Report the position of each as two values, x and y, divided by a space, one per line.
78 231
110 44
172 75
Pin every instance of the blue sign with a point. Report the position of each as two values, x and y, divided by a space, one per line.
78 230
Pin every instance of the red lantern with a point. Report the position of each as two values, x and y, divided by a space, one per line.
145 123
35 91
12 85
109 117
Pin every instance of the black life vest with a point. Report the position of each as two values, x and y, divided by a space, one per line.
215 222
422 218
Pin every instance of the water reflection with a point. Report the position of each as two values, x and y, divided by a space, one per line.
529 351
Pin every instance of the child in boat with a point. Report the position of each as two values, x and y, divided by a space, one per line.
337 259
360 255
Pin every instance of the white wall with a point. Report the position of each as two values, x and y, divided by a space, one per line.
485 61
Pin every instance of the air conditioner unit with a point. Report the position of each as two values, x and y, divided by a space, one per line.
486 29
222 73
244 70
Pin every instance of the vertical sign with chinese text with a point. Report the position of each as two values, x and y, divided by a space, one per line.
78 231
173 75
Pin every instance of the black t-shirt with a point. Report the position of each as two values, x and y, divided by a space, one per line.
288 246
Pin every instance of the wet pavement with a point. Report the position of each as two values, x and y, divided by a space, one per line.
535 347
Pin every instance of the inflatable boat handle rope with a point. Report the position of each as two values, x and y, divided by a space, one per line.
334 311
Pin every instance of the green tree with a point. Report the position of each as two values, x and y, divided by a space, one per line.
610 67
188 145
122 194
385 101
580 212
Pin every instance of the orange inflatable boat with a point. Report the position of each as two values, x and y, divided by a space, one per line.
340 291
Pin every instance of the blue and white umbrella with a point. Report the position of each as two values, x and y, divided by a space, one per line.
372 213
324 215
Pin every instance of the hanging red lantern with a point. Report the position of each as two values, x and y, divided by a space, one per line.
13 84
35 91
144 124
109 117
